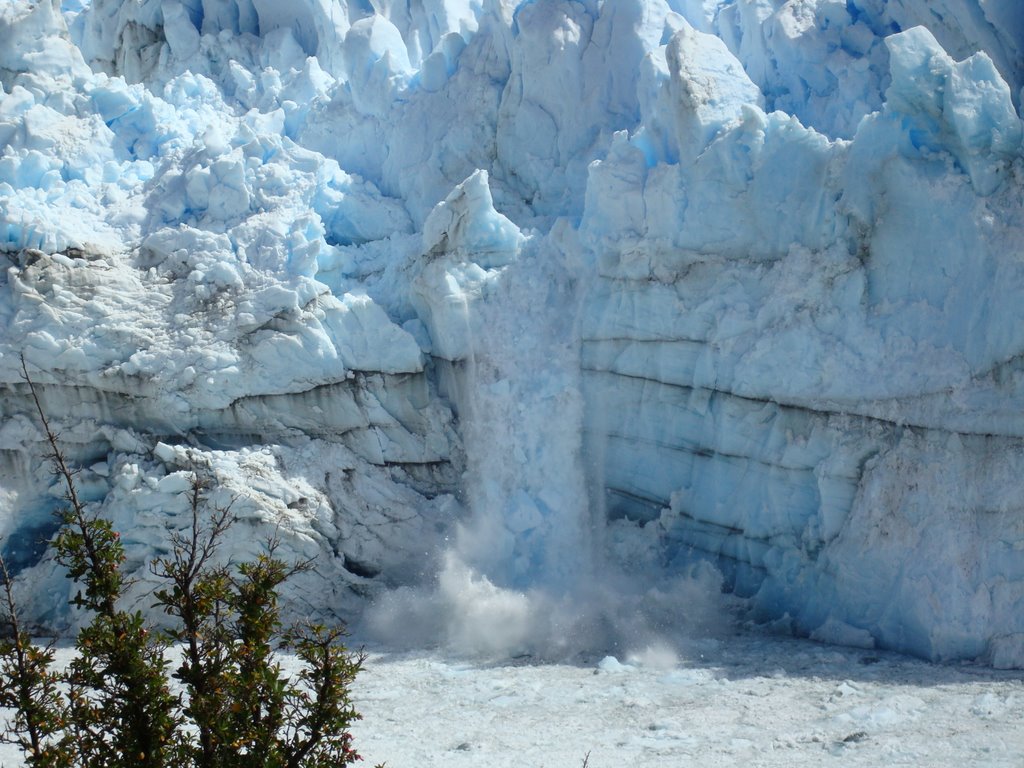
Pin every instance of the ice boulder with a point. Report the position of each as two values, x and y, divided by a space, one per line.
466 224
36 44
139 39
962 27
822 61
962 107
465 242
707 91
376 62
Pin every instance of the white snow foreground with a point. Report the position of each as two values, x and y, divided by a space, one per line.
436 290
742 702
745 700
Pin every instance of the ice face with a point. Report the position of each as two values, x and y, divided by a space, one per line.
538 311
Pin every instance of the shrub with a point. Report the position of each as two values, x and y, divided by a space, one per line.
115 706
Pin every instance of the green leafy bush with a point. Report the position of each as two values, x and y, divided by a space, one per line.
115 704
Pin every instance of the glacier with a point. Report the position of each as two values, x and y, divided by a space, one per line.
528 318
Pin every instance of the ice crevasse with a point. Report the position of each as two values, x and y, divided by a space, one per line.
776 247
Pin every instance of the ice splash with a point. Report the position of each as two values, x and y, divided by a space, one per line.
526 573
502 307
522 414
466 613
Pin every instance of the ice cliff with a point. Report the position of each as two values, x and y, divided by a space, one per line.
567 287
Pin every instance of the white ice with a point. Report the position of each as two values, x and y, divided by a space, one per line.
533 314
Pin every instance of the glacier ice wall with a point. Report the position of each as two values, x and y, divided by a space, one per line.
575 283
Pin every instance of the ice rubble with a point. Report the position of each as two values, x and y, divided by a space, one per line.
740 276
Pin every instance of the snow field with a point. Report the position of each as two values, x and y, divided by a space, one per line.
734 700
745 700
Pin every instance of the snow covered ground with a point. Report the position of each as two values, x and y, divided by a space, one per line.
745 700
738 699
